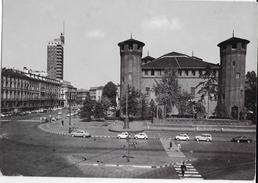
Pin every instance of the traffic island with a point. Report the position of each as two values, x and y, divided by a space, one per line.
134 127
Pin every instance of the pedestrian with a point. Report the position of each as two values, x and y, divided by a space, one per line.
183 169
178 147
62 122
170 144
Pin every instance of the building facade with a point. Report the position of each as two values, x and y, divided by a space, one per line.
95 93
82 94
22 91
55 58
230 74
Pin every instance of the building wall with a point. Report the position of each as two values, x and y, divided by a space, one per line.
25 91
188 82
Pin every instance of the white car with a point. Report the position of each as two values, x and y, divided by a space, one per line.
205 136
182 136
80 133
123 135
141 136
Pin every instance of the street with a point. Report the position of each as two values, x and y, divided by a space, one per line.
29 151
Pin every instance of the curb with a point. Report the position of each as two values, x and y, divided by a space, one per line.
140 166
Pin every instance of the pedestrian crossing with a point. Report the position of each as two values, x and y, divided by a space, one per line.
174 151
190 173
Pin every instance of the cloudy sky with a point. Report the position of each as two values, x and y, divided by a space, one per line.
93 28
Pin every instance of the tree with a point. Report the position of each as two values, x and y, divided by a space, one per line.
168 92
152 109
109 91
209 86
134 99
250 90
184 105
106 103
251 95
87 110
98 110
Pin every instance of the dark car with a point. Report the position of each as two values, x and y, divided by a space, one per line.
242 139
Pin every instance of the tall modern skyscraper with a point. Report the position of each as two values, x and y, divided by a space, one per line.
55 58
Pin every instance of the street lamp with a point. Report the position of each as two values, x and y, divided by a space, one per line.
69 98
126 121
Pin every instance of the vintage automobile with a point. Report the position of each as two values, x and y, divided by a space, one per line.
123 135
80 133
242 139
205 136
182 136
141 136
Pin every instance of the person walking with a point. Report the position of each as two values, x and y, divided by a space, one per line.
178 147
183 169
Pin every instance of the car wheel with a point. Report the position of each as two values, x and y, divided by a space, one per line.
136 137
197 139
187 139
145 138
119 137
238 141
208 140
177 139
72 135
83 136
248 141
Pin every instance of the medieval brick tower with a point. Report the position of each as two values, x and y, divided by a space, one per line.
232 74
131 55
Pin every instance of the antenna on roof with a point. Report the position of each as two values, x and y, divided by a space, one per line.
131 35
63 27
148 53
233 33
192 53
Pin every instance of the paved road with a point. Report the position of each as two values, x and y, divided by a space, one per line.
36 151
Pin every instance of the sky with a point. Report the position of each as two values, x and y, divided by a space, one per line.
93 28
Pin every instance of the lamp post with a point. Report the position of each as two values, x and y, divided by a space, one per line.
126 121
68 94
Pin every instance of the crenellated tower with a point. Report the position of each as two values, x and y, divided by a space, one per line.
130 71
232 74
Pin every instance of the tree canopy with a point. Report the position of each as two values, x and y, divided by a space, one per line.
134 101
87 109
250 90
168 91
109 91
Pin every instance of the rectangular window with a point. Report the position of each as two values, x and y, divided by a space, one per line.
147 90
234 45
152 72
186 72
146 72
237 75
193 91
193 71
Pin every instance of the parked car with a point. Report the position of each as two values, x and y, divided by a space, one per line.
58 117
141 136
123 135
53 119
205 136
80 133
60 113
242 139
182 136
2 115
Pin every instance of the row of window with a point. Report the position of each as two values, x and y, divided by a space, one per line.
149 90
234 46
180 72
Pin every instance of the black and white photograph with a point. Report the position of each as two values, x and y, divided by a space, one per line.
128 90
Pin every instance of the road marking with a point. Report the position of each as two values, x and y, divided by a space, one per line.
190 173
